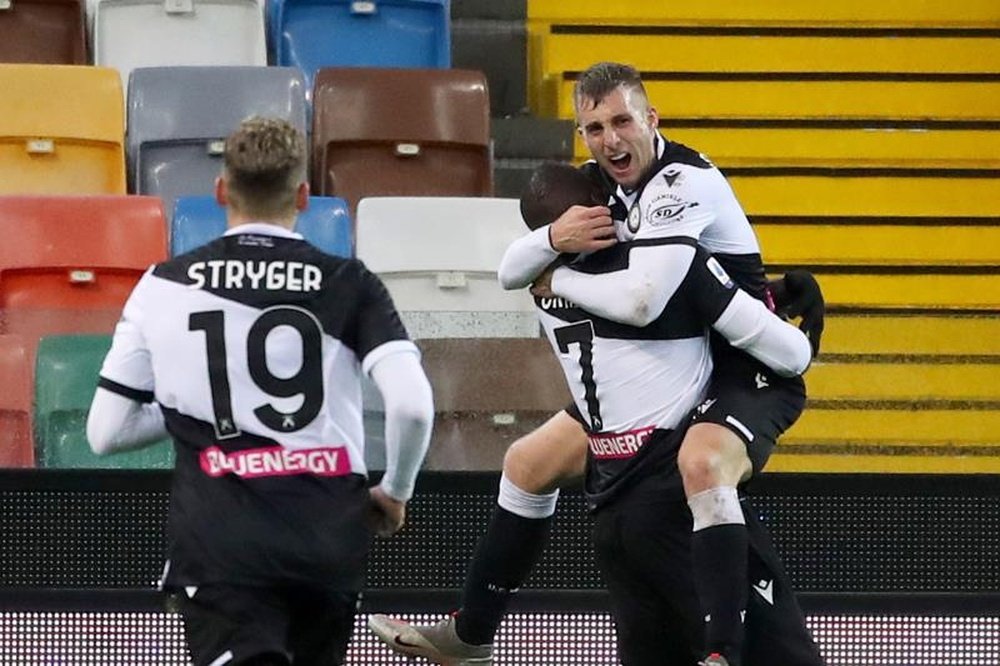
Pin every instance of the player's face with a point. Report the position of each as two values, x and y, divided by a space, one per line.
619 133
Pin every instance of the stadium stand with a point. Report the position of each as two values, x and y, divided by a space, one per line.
48 146
401 132
200 219
66 371
43 32
17 377
311 35
178 118
69 263
127 34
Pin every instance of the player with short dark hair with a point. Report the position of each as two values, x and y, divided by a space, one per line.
249 351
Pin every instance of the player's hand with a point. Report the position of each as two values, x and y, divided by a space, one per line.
542 286
386 515
800 296
582 229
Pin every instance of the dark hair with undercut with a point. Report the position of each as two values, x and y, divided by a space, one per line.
265 161
601 79
553 188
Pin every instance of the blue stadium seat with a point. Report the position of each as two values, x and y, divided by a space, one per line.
310 34
325 223
179 116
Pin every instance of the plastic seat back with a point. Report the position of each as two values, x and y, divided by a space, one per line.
16 377
401 132
449 288
51 146
311 34
199 220
178 118
66 372
128 34
69 263
43 31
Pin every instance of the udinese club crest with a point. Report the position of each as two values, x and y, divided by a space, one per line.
634 218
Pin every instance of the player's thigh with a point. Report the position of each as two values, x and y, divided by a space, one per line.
755 409
234 622
549 457
322 624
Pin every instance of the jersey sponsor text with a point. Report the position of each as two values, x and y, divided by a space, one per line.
275 461
617 445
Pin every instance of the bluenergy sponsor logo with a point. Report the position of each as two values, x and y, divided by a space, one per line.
616 445
275 461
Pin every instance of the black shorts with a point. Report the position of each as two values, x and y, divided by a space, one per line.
305 625
755 404
643 548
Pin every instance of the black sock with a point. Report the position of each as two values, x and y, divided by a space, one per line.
503 559
720 575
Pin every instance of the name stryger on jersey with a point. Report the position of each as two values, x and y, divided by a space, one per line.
248 274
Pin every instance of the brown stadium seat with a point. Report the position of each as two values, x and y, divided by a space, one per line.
69 263
487 393
16 363
43 32
401 132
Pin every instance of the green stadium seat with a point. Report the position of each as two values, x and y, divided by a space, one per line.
66 370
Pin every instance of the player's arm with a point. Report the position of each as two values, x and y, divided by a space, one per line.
123 414
409 414
578 229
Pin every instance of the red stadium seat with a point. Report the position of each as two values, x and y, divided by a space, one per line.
69 263
401 132
16 363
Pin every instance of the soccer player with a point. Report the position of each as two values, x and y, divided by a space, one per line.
641 386
249 352
656 189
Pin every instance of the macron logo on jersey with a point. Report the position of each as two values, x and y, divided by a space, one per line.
241 274
275 461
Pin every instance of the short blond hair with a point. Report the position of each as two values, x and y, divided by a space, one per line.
265 160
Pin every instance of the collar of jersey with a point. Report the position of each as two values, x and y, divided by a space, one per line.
264 229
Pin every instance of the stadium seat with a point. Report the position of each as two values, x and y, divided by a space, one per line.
43 31
69 263
178 118
487 393
325 223
311 34
16 366
51 146
66 371
128 34
399 132
449 287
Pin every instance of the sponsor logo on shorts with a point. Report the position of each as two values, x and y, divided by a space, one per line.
617 445
275 461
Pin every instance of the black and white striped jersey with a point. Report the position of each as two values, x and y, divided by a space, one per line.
629 382
254 346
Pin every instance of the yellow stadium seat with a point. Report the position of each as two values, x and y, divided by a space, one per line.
912 427
893 289
61 130
881 381
946 334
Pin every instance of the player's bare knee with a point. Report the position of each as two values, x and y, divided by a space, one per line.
519 467
711 456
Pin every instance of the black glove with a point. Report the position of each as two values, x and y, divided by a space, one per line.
798 295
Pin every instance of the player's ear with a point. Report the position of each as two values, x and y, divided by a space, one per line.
221 193
302 196
653 118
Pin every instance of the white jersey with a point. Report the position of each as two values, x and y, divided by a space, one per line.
254 346
629 382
